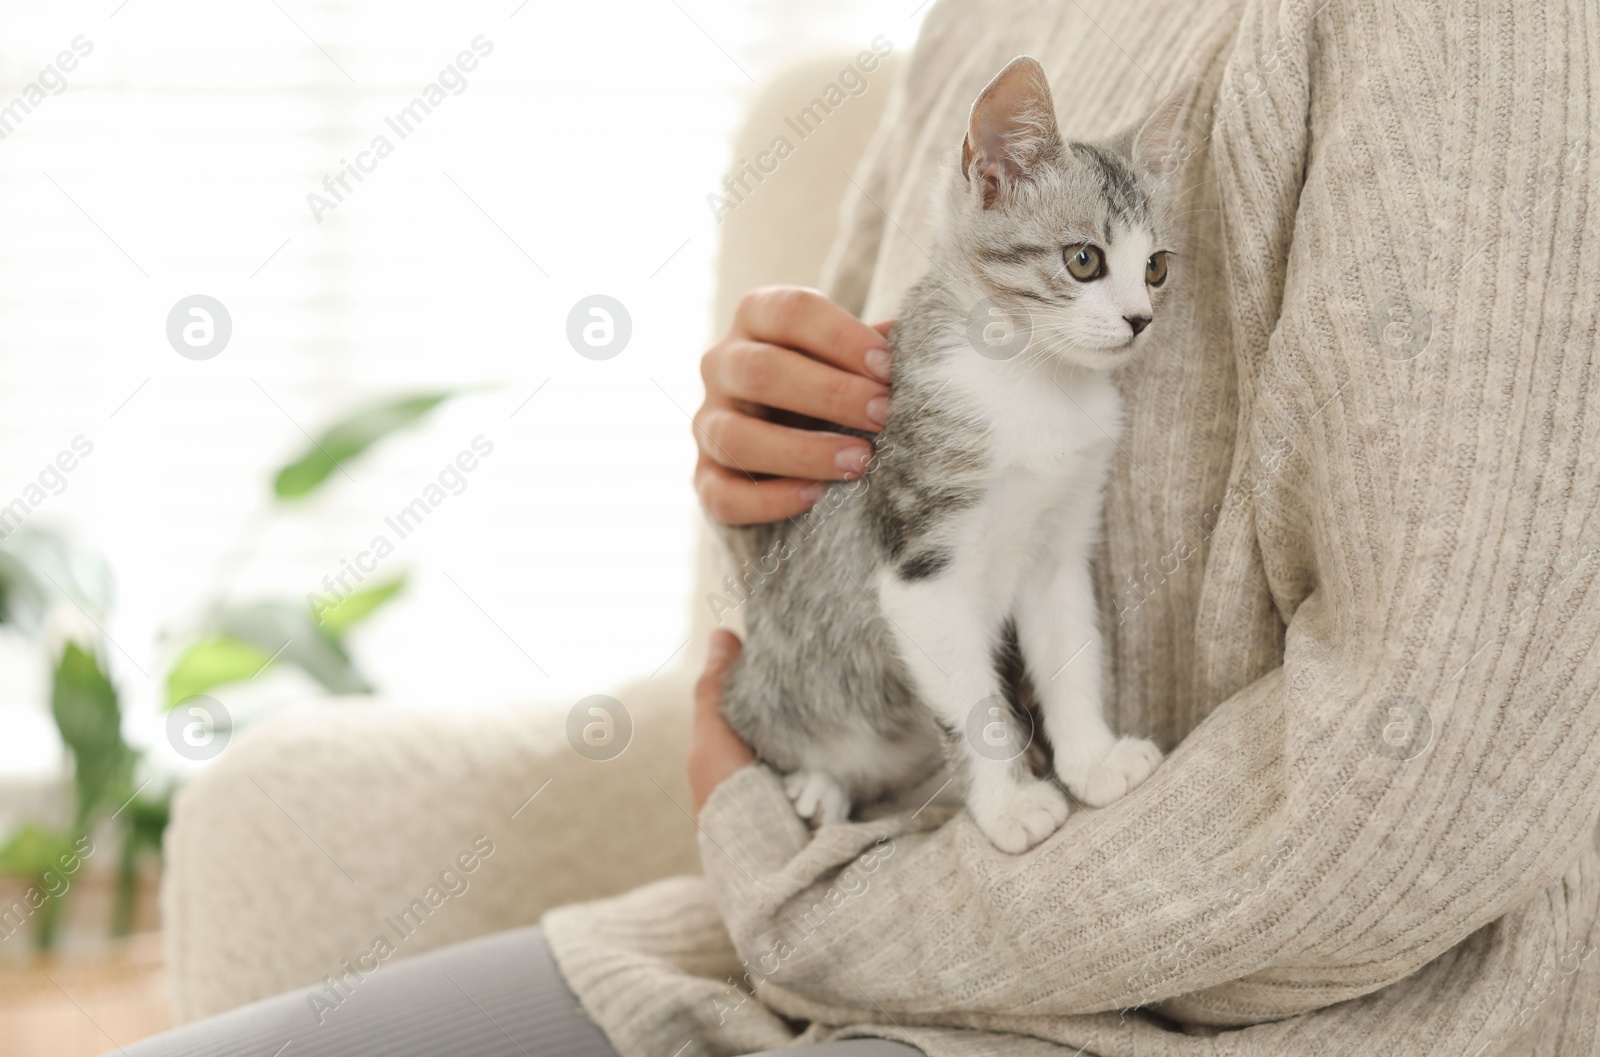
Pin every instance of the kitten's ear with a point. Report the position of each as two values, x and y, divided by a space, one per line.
1157 146
1011 129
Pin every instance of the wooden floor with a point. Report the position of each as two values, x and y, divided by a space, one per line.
95 995
79 1007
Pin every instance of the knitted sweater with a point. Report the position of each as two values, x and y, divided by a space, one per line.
1349 579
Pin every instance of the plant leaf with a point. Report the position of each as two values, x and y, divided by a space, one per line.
288 631
337 618
87 713
240 640
32 850
39 565
349 438
211 662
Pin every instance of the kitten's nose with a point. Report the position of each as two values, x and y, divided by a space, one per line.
1138 323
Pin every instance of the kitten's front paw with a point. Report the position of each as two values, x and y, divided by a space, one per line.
1034 811
817 797
1129 762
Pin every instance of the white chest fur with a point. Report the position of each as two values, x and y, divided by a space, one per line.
1051 432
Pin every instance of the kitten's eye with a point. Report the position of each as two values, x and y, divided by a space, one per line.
1155 269
1085 262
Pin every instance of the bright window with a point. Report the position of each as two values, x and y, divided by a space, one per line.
175 157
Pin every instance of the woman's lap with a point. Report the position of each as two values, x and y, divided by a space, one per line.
496 996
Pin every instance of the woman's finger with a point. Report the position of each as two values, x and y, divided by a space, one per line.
720 655
777 377
733 498
753 445
808 321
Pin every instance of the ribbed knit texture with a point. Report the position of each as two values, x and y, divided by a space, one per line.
1349 578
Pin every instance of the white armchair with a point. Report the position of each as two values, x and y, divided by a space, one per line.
285 857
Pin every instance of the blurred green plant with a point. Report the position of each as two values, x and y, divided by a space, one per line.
346 439
87 714
241 642
40 855
232 644
237 643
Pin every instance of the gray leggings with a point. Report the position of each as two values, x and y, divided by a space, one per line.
497 996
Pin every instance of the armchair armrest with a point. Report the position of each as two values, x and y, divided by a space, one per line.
321 833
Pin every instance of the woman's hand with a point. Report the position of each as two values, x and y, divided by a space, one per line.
790 350
715 751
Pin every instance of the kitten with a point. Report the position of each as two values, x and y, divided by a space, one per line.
880 625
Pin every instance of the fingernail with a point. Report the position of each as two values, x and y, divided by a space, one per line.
878 410
852 461
812 492
878 363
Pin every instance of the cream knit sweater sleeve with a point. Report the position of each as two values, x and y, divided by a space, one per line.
1411 266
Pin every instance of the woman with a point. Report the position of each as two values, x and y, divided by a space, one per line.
1349 579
